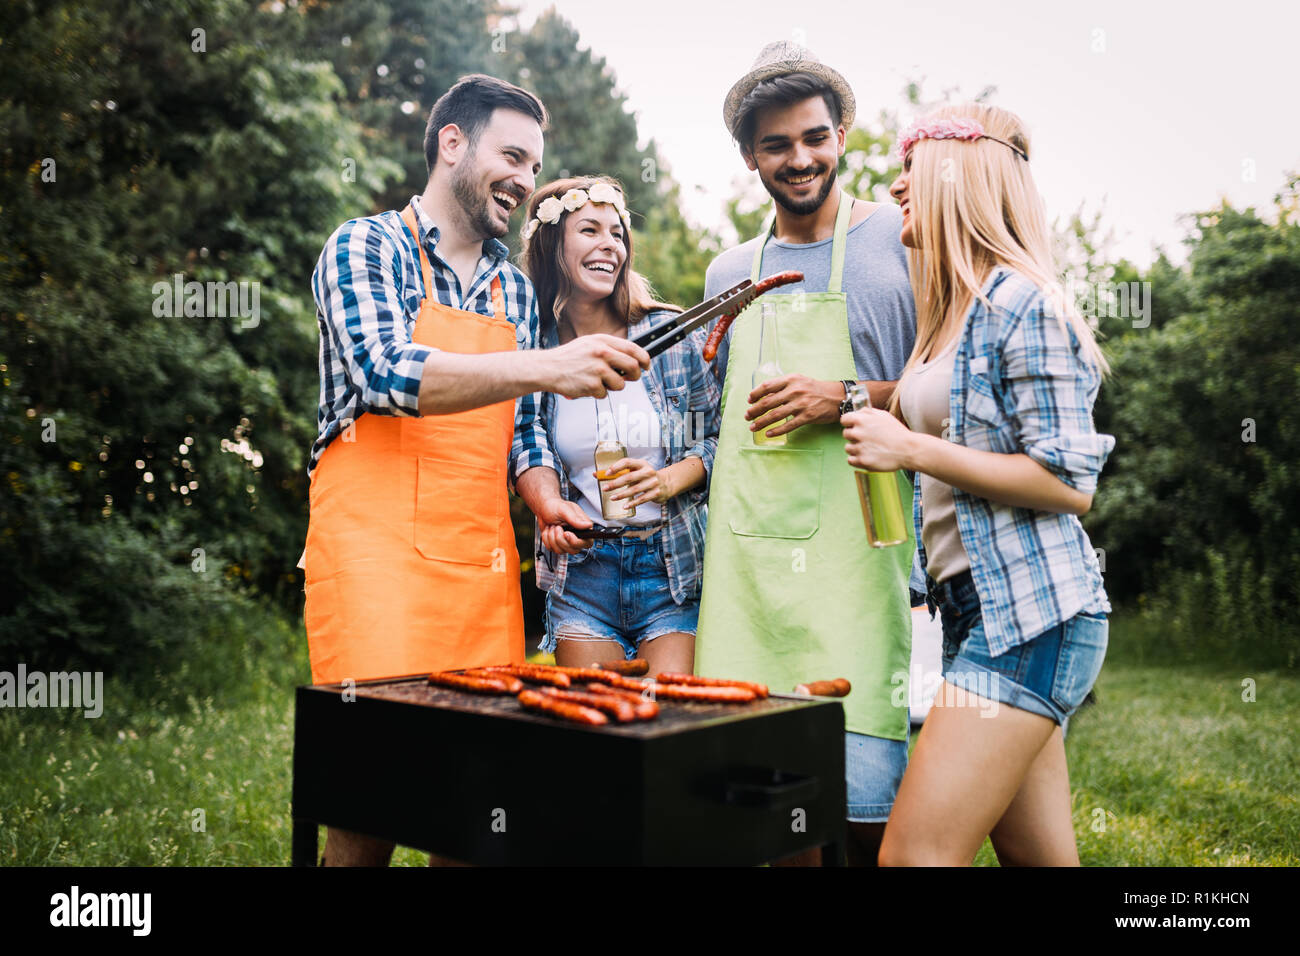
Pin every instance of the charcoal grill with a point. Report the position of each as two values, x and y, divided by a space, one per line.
481 780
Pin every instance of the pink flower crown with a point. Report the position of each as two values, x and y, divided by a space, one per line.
949 129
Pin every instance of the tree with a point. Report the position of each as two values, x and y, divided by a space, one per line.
1200 502
154 453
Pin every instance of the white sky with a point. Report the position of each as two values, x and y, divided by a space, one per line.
1183 103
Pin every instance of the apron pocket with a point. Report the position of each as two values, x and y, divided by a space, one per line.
779 492
451 523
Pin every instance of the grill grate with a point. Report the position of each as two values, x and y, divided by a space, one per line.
673 715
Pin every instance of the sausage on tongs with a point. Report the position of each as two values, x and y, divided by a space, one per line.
763 285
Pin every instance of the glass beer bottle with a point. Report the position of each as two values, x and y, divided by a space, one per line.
769 367
882 505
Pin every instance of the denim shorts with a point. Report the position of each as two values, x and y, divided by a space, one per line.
1050 674
617 590
873 768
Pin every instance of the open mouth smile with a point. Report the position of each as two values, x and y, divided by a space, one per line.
505 200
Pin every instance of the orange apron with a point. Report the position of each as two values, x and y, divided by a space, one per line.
411 559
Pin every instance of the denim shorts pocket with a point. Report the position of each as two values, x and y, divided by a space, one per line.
1083 649
582 557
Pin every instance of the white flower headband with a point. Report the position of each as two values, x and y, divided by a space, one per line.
551 208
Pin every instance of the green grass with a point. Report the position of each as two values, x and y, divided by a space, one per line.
1170 767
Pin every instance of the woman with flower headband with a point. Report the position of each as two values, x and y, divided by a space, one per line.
996 418
638 593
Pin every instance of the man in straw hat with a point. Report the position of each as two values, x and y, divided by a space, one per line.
793 592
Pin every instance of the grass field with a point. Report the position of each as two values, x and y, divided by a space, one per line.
1171 767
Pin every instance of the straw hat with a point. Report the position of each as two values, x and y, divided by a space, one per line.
779 59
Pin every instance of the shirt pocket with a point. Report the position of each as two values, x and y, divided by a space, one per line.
981 405
779 492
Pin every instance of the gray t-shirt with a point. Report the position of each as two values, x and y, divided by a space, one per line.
882 316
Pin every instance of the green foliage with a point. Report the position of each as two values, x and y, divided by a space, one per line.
1200 504
132 437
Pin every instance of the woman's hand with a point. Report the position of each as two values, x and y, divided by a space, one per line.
551 513
877 441
642 483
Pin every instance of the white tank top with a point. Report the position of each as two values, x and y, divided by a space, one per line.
626 416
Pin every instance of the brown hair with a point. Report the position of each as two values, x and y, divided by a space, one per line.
543 261
470 104
784 90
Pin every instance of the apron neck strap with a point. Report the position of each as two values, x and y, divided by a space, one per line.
838 245
426 269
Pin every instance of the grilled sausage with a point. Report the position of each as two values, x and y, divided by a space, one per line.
720 328
581 673
513 684
760 690
625 683
475 685
828 688
621 710
533 673
704 695
645 709
577 713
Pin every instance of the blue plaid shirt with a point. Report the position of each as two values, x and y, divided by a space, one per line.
368 290
686 397
1019 386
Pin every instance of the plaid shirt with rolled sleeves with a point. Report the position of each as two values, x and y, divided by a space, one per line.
679 378
368 290
1019 385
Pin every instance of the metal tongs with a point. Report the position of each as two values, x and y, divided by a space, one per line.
728 302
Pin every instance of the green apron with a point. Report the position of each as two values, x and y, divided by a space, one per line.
792 590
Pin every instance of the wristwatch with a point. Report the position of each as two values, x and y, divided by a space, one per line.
846 406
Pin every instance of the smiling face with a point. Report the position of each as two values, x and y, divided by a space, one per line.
499 171
796 151
901 190
594 250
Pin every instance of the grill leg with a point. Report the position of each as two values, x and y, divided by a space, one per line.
304 842
833 854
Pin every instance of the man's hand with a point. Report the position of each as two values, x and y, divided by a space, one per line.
642 483
553 512
804 400
590 365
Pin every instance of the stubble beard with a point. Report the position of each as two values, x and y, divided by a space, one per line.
475 205
808 206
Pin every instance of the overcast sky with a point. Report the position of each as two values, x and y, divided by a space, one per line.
1143 110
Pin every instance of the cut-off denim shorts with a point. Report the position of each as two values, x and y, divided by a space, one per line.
1050 674
617 590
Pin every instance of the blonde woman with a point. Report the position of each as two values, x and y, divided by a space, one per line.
994 412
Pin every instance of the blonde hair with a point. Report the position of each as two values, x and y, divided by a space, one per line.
973 206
